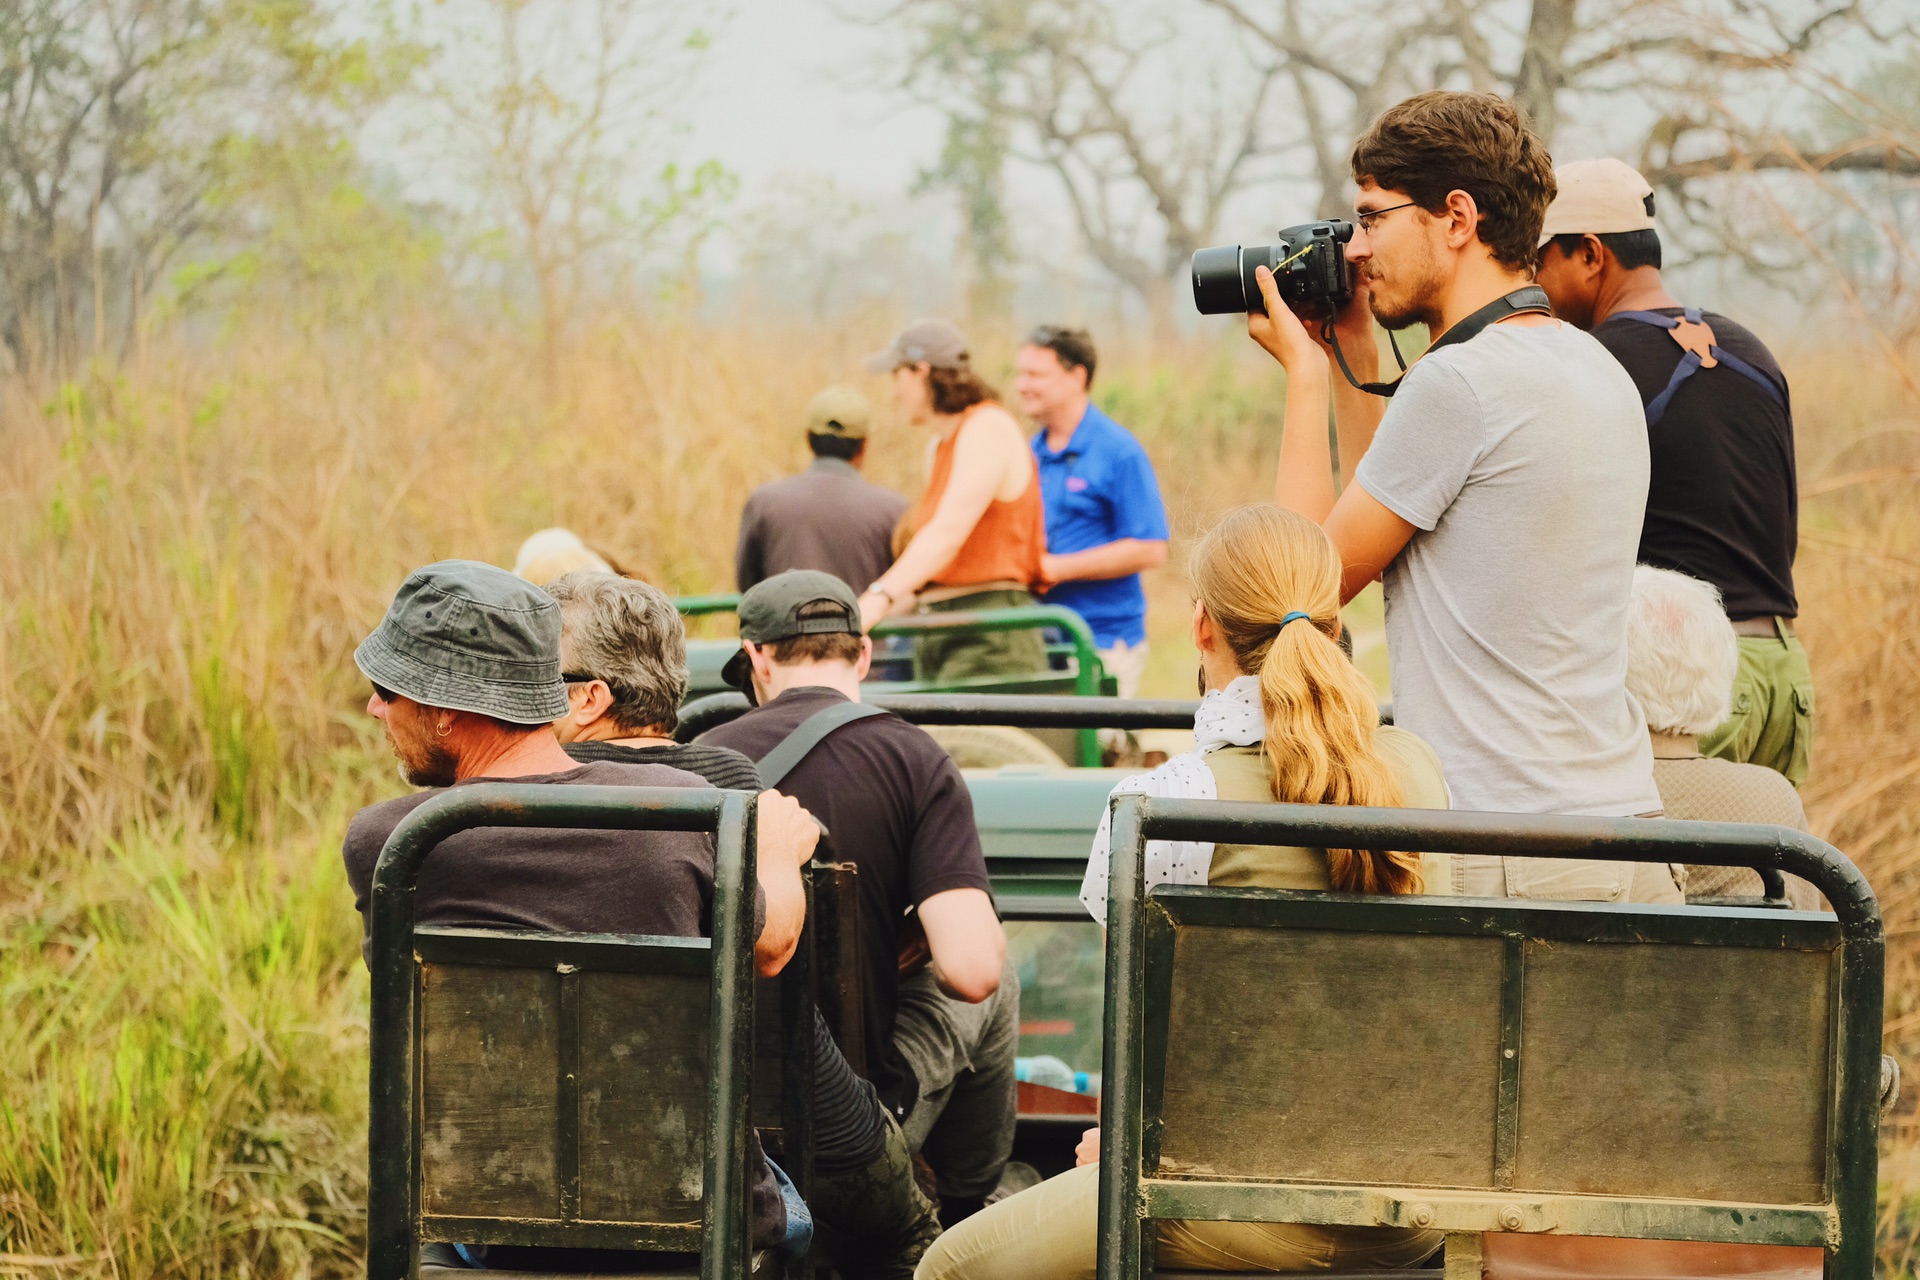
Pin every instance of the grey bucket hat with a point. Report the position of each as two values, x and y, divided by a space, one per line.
470 637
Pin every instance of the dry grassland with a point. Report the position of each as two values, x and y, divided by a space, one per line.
194 547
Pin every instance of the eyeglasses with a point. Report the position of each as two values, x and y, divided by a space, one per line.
384 694
1371 216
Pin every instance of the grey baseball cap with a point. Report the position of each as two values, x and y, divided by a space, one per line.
799 602
470 637
936 342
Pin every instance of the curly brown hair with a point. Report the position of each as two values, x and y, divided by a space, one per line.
957 390
1479 143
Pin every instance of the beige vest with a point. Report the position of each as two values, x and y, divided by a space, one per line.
1244 773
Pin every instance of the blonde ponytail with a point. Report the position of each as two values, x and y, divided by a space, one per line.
1256 573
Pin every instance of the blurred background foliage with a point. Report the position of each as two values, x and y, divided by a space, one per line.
296 296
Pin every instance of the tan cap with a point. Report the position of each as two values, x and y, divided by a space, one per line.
839 411
935 342
1598 197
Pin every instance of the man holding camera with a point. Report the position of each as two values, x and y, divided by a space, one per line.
1499 494
1723 505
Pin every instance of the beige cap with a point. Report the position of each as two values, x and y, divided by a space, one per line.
934 342
1598 197
839 411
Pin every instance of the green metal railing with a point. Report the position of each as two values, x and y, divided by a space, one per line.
1088 675
1129 1199
394 1141
703 606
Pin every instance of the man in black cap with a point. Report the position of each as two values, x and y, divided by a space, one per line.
942 1005
625 656
829 517
466 678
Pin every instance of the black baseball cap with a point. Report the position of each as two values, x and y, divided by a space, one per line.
799 602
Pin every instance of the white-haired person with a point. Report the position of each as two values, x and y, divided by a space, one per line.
1682 655
551 553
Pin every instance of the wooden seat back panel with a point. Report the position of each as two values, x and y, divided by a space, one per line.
1676 1071
563 1080
643 1104
1326 1049
489 1089
1565 1049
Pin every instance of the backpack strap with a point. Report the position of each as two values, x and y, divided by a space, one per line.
808 734
1691 363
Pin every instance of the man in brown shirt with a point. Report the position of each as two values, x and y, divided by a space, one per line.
828 517
1681 657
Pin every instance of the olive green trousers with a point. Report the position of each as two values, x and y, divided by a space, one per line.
1772 719
957 655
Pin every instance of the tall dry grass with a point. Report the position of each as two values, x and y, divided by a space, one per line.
195 546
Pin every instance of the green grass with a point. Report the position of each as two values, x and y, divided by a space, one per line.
184 1087
194 549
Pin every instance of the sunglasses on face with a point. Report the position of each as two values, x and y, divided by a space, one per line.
384 694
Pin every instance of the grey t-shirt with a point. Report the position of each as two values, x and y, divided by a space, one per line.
1520 457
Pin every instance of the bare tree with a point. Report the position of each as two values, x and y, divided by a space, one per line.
561 112
1691 90
1149 125
124 127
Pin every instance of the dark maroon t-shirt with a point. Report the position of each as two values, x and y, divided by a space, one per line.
568 881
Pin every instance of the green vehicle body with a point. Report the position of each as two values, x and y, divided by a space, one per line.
1036 827
1077 669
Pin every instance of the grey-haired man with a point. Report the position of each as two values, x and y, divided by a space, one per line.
624 650
466 678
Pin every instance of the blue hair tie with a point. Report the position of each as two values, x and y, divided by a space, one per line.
1295 616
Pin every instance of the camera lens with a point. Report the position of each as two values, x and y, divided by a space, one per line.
1218 283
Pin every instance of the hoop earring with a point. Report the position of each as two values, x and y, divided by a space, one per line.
442 729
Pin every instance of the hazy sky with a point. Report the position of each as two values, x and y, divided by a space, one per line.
791 88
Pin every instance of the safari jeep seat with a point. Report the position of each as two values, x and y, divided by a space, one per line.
562 1090
1558 1087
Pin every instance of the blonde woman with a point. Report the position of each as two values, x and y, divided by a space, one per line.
1286 717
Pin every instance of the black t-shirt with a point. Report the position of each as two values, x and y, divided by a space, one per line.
568 881
848 1132
896 807
1723 503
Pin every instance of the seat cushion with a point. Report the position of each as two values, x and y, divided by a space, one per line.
1532 1257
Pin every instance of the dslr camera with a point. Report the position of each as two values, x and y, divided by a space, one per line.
1309 264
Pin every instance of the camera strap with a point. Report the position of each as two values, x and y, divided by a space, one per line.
1531 300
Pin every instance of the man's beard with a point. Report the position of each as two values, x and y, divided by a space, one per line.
1419 286
424 764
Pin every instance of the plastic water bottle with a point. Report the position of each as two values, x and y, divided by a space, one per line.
1051 1073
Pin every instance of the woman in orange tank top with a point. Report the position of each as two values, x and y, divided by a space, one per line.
980 529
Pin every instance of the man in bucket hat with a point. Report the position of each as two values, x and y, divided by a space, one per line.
466 678
941 1005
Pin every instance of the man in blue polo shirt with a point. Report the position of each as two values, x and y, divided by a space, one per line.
1105 521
